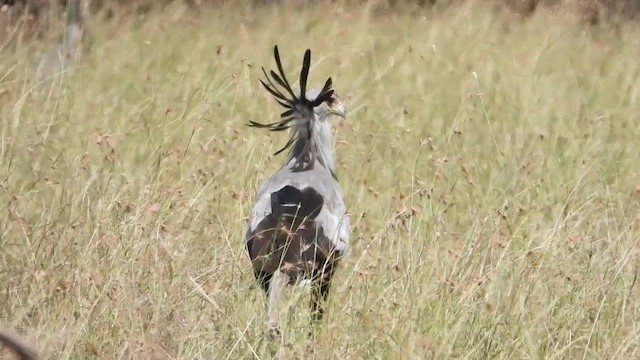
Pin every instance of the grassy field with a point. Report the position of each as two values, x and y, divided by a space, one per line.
491 166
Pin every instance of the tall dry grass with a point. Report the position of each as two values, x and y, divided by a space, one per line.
490 165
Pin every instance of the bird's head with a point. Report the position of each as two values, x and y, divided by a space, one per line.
332 106
304 112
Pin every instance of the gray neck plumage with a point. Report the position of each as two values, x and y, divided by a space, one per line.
315 148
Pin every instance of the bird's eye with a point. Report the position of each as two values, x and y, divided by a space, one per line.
331 100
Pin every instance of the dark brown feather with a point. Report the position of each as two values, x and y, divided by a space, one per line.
290 241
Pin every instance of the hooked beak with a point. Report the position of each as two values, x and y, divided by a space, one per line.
339 110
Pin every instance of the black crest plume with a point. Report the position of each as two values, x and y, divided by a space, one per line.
298 107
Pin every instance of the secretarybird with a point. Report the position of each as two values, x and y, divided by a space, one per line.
299 227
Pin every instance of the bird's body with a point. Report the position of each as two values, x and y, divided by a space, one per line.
326 229
299 226
61 57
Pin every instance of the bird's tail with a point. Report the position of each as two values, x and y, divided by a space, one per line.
294 233
292 206
15 343
74 24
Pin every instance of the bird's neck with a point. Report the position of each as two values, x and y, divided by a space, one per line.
318 147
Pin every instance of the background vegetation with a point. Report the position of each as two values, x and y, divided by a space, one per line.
490 164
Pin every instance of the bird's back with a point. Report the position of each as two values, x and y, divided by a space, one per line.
318 178
298 224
